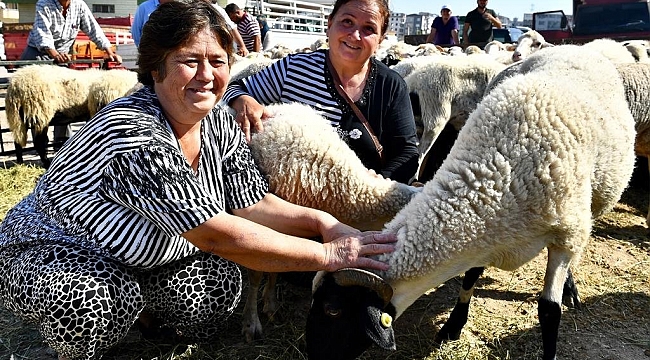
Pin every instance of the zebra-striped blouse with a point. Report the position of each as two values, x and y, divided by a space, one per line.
121 185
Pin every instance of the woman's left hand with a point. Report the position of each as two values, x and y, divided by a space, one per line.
338 230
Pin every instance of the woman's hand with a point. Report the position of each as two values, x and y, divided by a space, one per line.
354 251
249 115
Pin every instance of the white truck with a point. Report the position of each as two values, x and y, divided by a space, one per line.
295 24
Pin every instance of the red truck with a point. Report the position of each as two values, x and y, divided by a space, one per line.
594 19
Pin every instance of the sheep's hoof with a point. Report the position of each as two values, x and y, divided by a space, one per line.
445 334
46 163
252 331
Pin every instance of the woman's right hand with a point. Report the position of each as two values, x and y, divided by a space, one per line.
356 251
249 115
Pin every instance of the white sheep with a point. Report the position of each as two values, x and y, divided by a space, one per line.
448 90
527 44
308 164
405 67
37 93
109 86
246 67
636 82
531 169
611 49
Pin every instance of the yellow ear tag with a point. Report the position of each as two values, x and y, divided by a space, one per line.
386 320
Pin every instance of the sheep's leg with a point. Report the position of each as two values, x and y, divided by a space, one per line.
549 309
19 153
647 218
269 296
251 325
570 296
458 318
40 144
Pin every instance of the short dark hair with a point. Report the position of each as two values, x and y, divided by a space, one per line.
231 8
171 26
384 11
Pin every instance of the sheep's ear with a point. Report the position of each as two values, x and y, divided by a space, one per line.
379 329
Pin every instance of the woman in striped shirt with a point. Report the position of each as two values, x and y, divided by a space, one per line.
355 30
146 210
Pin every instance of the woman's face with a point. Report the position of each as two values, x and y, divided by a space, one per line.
354 32
197 76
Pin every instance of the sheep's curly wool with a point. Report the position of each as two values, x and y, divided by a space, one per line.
308 164
531 168
35 93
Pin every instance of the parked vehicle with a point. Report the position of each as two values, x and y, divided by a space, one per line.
594 19
293 23
507 34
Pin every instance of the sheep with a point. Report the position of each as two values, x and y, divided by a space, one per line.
528 43
532 167
473 49
247 67
40 95
308 164
109 86
448 90
611 49
640 49
636 82
405 67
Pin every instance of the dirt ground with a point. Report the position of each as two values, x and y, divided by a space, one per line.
613 324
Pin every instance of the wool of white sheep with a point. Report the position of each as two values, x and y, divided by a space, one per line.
110 85
308 164
40 91
531 168
636 82
449 90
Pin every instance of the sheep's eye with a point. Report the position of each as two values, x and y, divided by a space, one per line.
332 311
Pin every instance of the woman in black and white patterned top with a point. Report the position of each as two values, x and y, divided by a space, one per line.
147 208
355 29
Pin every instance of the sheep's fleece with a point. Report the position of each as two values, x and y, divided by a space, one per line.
531 168
308 164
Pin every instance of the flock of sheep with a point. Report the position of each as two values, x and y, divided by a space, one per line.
542 151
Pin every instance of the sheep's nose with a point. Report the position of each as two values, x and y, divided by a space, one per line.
516 56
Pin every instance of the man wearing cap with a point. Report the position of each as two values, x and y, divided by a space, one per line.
444 29
479 23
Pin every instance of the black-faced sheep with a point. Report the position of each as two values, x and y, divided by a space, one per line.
531 169
308 164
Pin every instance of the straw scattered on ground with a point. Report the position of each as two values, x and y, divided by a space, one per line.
614 324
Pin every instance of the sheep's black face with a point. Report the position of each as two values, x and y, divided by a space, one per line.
345 320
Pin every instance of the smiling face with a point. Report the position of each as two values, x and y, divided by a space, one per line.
354 32
196 78
445 14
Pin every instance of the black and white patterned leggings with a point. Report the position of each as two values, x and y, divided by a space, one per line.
84 303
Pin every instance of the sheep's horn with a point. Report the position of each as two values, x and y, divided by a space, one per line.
358 277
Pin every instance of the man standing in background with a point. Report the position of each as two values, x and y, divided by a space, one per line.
56 25
444 29
247 26
479 23
141 16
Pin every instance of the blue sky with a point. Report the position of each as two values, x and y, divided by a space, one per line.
509 8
